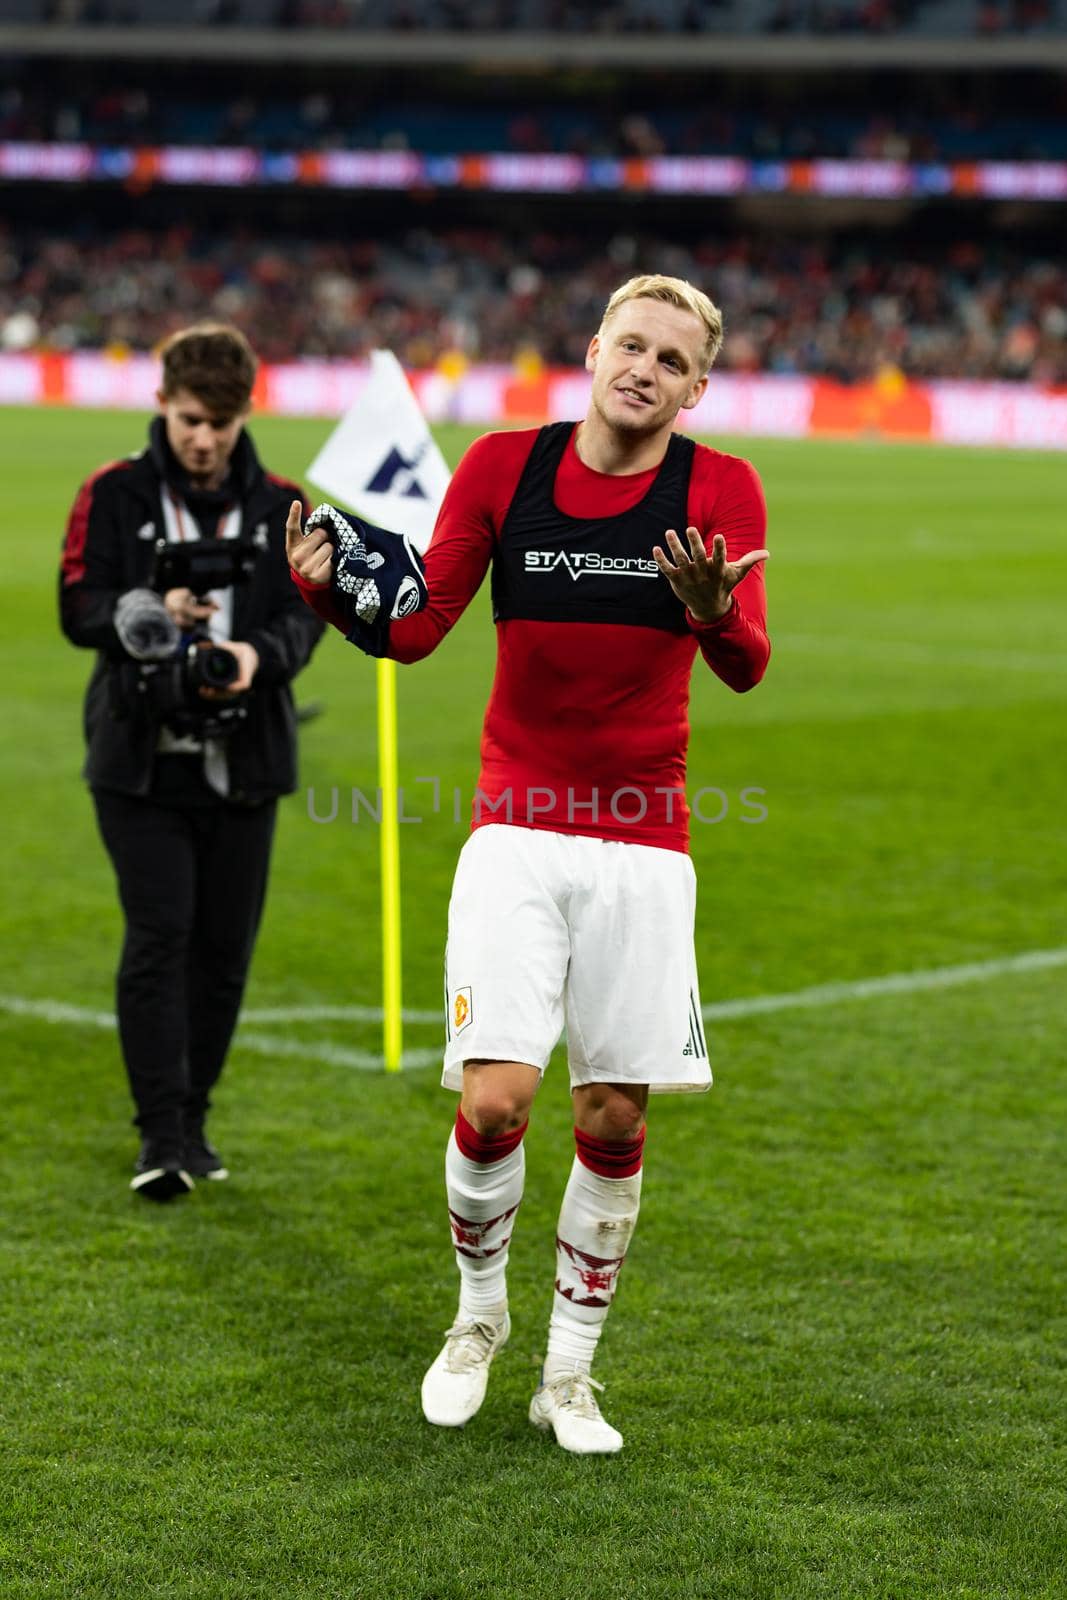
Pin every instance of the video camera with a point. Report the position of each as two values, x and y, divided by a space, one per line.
173 667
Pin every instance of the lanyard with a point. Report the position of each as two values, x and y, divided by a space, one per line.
179 516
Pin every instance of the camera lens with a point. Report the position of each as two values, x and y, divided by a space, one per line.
214 668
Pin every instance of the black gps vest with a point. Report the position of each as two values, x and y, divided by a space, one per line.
549 567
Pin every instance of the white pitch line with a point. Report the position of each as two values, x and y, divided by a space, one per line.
825 994
331 1055
268 1014
832 994
56 1011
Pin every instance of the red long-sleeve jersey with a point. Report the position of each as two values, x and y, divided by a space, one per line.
587 726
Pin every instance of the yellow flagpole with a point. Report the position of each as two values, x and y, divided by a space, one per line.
392 1039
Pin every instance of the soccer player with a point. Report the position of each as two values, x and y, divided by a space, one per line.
574 896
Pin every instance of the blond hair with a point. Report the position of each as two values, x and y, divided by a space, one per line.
673 292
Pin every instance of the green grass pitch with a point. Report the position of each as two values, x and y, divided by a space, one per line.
837 1354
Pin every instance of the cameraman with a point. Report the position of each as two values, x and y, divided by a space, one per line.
185 778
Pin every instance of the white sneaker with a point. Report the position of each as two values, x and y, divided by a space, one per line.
568 1406
455 1385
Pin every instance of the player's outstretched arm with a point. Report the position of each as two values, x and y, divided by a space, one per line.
705 584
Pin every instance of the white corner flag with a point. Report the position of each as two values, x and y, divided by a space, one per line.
382 462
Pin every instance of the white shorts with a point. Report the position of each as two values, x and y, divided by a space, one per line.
550 930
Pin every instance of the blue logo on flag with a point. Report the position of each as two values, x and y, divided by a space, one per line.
396 475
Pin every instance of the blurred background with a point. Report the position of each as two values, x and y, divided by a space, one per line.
873 192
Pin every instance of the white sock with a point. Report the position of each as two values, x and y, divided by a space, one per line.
596 1222
483 1197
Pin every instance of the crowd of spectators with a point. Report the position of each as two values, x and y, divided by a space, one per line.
874 17
848 309
1028 122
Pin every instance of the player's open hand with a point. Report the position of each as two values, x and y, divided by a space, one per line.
705 584
310 551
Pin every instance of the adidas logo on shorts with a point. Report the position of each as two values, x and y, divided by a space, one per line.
696 1044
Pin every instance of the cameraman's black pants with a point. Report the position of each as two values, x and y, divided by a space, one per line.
192 882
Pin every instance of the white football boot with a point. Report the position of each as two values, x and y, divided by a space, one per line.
454 1387
568 1407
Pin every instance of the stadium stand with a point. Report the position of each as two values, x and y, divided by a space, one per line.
941 18
898 265
953 118
846 309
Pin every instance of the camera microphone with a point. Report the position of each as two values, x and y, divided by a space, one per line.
145 627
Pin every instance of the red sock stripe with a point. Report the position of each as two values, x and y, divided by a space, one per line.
611 1158
478 1147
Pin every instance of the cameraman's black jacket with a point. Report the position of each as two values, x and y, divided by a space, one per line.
109 545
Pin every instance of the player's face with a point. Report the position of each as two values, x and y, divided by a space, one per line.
202 441
647 365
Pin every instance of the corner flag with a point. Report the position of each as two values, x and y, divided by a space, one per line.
381 462
381 459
